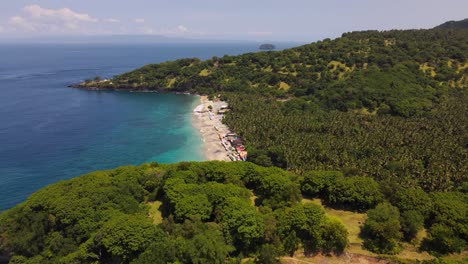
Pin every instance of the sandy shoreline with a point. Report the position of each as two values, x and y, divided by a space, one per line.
210 126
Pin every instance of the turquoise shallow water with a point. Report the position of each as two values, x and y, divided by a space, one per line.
49 132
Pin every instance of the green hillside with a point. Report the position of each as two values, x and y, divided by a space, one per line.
407 71
455 24
223 212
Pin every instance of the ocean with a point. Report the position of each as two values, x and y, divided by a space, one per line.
49 132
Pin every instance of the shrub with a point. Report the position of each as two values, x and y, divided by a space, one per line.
381 230
316 183
360 193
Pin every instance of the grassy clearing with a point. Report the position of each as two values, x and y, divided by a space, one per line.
154 212
411 252
253 199
345 258
457 258
427 69
462 67
204 73
450 63
288 73
365 111
340 69
267 69
284 86
334 65
171 82
352 221
389 42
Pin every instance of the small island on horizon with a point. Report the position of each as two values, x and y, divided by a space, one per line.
267 46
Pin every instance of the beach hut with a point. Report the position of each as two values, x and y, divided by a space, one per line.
240 148
223 107
199 109
243 155
236 142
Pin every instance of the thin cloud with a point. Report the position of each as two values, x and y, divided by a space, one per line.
175 31
35 20
260 34
64 14
38 19
182 29
111 20
19 22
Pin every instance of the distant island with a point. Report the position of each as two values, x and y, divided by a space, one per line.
267 47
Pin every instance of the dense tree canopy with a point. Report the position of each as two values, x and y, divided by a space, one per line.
308 224
429 151
360 193
382 229
449 223
400 72
215 211
208 215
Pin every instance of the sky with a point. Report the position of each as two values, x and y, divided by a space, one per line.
258 20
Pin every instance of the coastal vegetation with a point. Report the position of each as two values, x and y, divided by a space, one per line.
207 212
218 212
427 151
371 124
402 73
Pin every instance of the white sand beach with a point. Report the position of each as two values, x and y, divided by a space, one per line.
210 126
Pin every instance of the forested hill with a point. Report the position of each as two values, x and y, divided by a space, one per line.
405 71
220 212
455 24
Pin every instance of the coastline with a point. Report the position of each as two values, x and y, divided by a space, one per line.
205 122
131 90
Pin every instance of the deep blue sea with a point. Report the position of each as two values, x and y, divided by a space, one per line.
49 132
